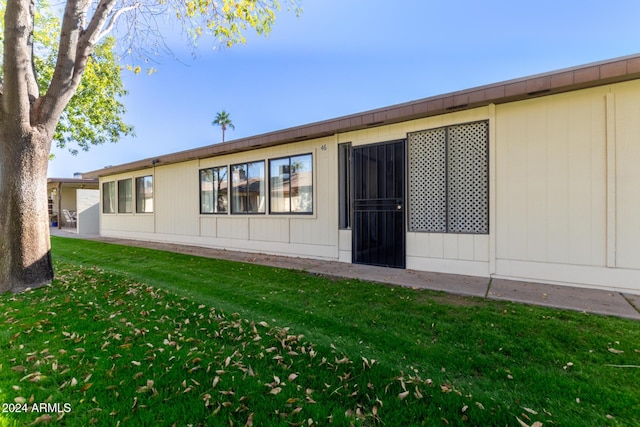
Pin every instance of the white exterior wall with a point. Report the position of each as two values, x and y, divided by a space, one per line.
87 211
564 198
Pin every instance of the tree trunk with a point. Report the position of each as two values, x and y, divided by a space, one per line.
25 247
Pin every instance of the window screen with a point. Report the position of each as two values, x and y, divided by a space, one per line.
448 179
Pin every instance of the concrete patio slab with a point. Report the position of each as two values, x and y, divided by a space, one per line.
634 300
565 297
450 283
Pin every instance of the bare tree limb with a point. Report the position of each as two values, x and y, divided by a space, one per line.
113 20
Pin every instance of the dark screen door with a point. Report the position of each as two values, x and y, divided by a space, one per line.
378 204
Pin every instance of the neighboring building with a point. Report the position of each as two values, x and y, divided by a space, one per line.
80 197
532 179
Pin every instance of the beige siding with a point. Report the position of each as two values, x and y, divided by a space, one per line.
627 120
177 208
269 229
88 208
551 179
567 188
177 199
449 253
346 253
208 226
452 253
123 224
68 199
564 199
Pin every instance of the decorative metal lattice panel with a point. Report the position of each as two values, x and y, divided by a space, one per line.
448 179
467 184
427 180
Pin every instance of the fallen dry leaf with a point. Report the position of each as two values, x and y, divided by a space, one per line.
275 390
43 419
418 394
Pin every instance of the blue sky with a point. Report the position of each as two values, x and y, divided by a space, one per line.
347 56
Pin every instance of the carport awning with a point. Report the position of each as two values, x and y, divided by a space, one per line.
89 183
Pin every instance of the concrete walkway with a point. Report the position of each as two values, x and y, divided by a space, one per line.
595 301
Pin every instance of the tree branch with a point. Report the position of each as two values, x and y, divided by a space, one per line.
76 45
113 20
60 89
19 82
32 82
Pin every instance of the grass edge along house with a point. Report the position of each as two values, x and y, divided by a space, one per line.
533 179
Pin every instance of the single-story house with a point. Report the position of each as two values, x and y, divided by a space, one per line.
534 179
80 198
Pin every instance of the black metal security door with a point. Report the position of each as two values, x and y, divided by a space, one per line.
378 204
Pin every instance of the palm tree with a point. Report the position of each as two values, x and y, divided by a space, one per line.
222 119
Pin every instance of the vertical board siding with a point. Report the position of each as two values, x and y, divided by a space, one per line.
428 250
564 191
307 234
177 199
230 227
627 120
551 176
208 226
88 211
120 224
269 229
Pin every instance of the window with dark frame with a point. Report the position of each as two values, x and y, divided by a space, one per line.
109 197
144 194
214 188
125 196
291 185
344 185
248 193
449 179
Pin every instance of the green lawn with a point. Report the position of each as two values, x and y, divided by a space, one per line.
131 336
